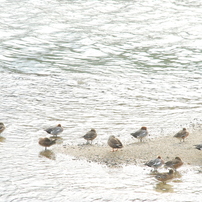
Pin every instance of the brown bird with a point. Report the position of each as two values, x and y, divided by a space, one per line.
90 136
114 143
2 127
181 135
54 130
165 176
141 133
174 164
155 163
46 142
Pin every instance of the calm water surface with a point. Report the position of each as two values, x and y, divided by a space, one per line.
110 65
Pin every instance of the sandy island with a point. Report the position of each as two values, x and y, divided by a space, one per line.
138 153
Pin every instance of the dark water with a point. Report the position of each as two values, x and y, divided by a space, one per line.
110 65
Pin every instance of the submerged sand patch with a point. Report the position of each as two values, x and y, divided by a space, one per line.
137 152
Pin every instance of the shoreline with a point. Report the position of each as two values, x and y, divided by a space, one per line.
139 152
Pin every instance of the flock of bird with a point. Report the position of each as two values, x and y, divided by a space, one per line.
172 165
116 144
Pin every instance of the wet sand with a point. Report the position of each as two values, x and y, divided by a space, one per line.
138 153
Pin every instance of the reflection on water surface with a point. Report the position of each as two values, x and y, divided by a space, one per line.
48 154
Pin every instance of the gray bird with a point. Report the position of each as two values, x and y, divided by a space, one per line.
90 136
2 127
141 133
114 143
182 134
54 130
46 142
198 146
155 163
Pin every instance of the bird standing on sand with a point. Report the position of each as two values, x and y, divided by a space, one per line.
181 135
165 176
90 136
198 146
54 130
155 163
141 133
174 164
46 142
2 127
114 143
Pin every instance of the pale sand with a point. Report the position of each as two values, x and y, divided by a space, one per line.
138 153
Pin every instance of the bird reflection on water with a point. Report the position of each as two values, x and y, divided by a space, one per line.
59 140
48 154
164 188
2 139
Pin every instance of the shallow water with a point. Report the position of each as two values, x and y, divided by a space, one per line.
110 65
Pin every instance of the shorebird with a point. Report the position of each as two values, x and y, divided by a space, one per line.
90 136
174 164
155 163
165 176
46 142
2 127
54 130
198 146
141 133
114 143
182 134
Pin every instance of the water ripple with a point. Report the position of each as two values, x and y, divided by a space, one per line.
114 66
